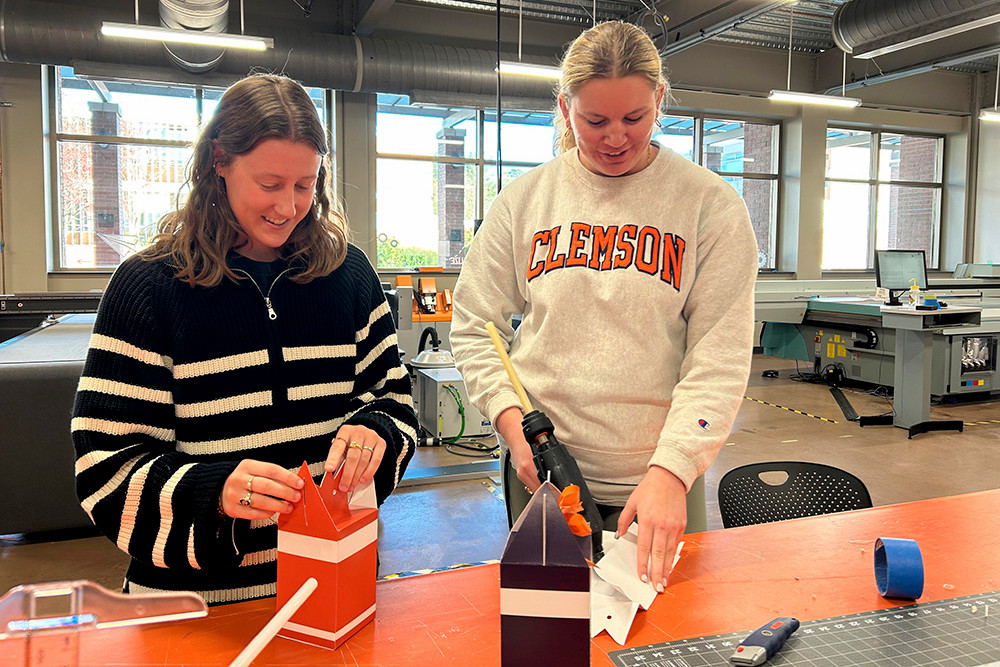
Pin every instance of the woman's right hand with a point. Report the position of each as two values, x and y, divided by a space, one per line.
509 426
256 490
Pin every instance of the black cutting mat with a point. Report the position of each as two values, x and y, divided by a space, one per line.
960 632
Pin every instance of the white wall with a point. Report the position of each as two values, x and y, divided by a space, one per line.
988 195
25 262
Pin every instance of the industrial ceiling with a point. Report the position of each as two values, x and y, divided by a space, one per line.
365 45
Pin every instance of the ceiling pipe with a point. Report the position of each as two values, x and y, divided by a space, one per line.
705 34
47 33
920 68
202 15
871 28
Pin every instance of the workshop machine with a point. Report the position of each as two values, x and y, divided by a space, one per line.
844 339
440 398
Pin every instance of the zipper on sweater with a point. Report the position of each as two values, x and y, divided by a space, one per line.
267 297
280 391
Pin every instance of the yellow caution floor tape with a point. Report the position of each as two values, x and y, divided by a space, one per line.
457 566
798 412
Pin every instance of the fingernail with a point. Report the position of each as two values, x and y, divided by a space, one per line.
299 483
298 497
645 579
664 584
659 588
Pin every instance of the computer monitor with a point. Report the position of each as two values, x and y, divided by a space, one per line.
895 270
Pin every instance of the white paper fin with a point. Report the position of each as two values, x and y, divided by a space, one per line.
616 590
363 497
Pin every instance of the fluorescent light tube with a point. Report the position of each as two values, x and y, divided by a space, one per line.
990 114
811 98
159 34
530 69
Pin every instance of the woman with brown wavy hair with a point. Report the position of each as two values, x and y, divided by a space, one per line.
250 337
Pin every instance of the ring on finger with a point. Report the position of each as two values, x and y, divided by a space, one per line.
250 483
367 448
355 445
247 500
341 439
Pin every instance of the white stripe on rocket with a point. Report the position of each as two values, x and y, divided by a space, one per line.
329 551
544 603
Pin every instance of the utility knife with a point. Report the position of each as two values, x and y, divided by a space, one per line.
764 641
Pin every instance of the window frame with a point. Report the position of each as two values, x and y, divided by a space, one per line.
776 176
479 161
874 184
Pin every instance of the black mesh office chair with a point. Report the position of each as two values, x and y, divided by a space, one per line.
809 489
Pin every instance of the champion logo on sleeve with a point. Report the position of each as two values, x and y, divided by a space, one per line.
703 423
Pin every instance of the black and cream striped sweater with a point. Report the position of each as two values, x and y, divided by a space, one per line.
182 383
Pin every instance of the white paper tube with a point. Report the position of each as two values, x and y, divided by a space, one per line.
264 637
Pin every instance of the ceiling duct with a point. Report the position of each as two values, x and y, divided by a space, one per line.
870 28
202 15
38 32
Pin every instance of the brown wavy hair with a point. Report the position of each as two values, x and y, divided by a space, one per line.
609 50
196 237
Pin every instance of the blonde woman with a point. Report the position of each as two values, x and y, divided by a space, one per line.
249 338
633 270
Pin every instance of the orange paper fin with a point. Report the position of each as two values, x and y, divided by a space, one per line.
569 503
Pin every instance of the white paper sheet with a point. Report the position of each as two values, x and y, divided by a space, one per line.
616 592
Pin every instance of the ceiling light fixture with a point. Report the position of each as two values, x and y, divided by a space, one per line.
994 113
788 95
813 98
174 36
529 69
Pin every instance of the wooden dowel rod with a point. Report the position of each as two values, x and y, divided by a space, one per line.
491 329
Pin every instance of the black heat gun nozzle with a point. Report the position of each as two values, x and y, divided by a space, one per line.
554 463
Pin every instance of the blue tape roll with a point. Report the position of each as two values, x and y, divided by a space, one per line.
899 568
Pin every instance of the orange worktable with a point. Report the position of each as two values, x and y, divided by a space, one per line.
725 581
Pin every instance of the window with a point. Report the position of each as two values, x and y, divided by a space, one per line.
745 155
121 154
883 191
677 134
436 175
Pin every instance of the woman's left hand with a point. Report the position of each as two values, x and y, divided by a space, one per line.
661 505
360 449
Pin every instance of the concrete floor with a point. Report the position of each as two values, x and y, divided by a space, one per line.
437 525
